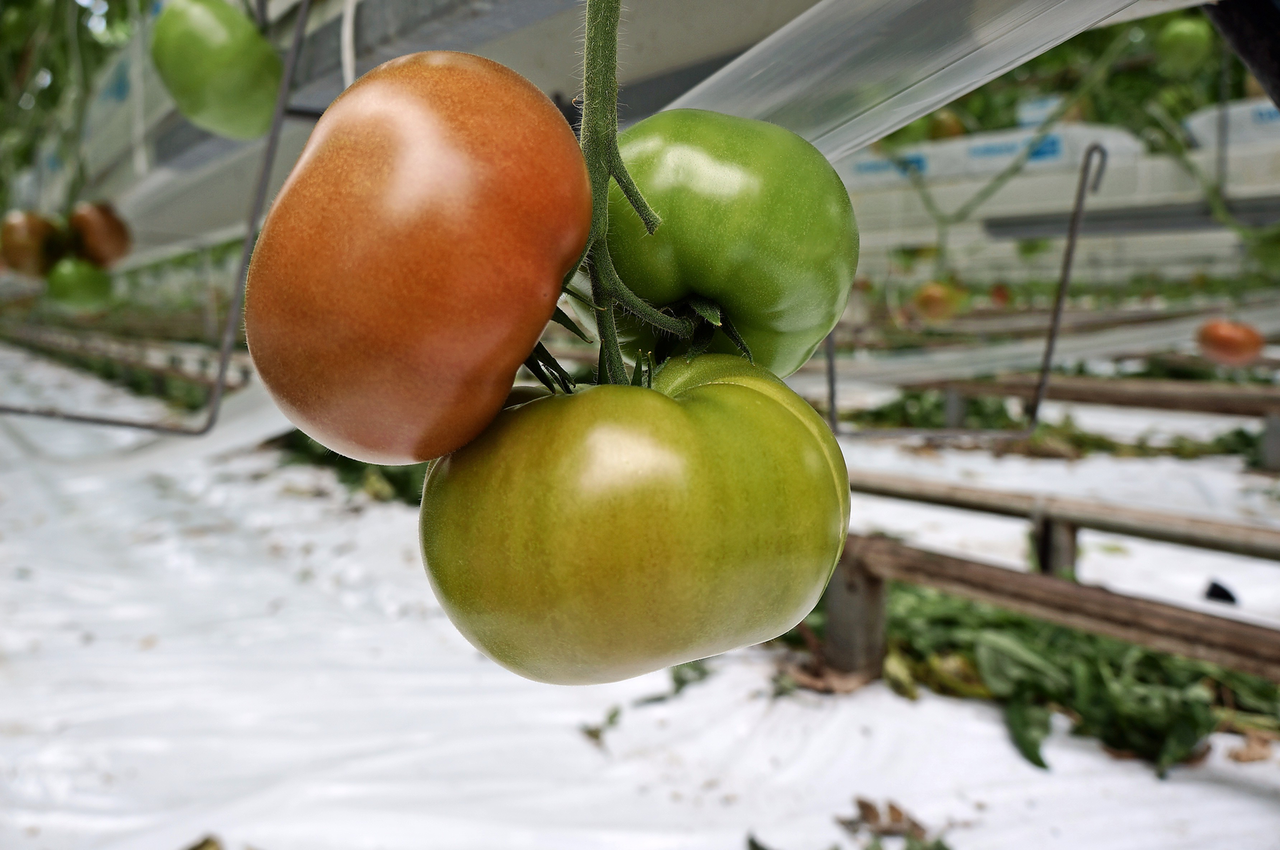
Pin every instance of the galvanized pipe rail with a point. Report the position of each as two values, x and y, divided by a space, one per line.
186 361
1057 518
1195 396
855 606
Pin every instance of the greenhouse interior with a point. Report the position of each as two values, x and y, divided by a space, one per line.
923 494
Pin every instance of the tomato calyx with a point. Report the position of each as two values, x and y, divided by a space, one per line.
604 162
548 370
695 319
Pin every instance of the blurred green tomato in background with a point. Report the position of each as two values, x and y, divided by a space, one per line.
223 75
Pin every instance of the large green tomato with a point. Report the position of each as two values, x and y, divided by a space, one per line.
78 284
754 218
1184 47
597 536
223 75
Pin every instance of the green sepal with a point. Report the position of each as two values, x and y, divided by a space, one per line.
736 338
705 308
561 318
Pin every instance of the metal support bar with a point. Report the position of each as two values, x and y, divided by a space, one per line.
231 330
304 113
1090 180
856 617
1156 625
1160 394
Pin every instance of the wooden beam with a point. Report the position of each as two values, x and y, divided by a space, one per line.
1156 625
855 607
1198 396
1253 540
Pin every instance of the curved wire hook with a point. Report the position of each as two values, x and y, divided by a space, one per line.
1090 181
231 329
1068 255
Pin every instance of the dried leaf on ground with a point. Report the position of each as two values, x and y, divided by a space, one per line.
828 681
1255 748
209 842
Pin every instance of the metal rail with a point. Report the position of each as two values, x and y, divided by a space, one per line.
231 329
1251 540
186 361
1195 396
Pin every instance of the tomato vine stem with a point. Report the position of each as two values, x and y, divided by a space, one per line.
604 162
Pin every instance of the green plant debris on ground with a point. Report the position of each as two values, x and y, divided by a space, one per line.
927 409
1065 439
682 676
383 483
1137 702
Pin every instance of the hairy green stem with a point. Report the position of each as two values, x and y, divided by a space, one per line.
611 369
604 162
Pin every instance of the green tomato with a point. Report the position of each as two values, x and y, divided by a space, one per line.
1184 46
223 75
78 284
754 218
597 536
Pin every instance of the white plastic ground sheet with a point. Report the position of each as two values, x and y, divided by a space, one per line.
224 645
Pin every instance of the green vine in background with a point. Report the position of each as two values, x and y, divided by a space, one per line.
48 54
1097 72
1262 242
604 162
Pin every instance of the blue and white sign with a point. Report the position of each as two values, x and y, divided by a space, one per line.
1248 122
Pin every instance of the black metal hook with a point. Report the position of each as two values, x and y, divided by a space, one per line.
1068 255
231 330
1090 181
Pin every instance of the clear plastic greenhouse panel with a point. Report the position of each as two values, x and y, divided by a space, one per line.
848 72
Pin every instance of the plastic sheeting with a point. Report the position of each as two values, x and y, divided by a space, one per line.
224 645
848 72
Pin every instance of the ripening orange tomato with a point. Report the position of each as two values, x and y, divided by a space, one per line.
414 256
935 301
1229 343
98 233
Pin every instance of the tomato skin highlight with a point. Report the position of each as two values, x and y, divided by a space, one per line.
415 255
1230 343
598 536
222 74
754 218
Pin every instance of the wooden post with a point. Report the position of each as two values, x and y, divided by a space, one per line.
953 404
1055 542
1271 442
855 608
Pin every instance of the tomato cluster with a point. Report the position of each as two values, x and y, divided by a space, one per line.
408 268
73 258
